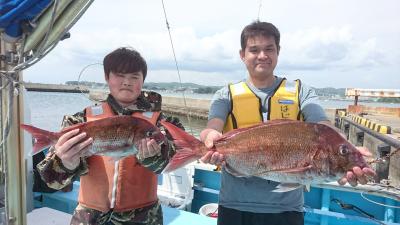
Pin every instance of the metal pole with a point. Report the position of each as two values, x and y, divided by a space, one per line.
388 140
13 146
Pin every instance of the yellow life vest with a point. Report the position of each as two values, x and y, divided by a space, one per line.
246 106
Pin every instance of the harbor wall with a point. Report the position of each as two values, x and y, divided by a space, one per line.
198 108
357 109
55 88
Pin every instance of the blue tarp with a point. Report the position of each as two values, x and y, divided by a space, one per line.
15 13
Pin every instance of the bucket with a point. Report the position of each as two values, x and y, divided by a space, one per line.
210 210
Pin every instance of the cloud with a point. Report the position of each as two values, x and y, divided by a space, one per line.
218 52
327 49
326 40
203 78
311 49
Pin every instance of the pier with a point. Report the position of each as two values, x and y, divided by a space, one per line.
197 108
55 88
377 93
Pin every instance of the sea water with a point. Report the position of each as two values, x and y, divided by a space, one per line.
48 108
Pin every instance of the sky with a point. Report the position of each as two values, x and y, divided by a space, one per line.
325 43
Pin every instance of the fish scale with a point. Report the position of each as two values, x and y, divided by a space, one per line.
276 149
281 150
115 136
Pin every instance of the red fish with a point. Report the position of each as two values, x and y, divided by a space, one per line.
114 136
281 150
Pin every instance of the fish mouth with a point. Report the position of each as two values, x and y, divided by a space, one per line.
160 140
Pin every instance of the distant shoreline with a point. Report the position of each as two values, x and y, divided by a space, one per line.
55 88
172 89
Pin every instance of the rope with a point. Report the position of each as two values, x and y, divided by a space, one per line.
43 50
5 75
177 67
378 203
355 208
382 159
12 87
40 49
79 81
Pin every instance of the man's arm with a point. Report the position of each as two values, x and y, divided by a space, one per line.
211 133
214 125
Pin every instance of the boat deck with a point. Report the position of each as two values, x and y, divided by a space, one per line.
321 205
49 216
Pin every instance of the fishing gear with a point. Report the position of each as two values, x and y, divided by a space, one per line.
355 208
351 207
384 158
177 67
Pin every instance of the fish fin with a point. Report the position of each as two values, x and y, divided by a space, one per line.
233 132
43 138
179 135
123 151
293 170
286 170
307 187
187 147
269 122
280 121
234 172
286 187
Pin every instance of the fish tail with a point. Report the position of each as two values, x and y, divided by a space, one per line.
43 138
187 147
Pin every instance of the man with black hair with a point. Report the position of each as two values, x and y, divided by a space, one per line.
262 97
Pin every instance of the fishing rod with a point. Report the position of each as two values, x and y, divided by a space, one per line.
259 10
177 67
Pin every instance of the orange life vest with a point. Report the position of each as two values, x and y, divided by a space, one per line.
119 185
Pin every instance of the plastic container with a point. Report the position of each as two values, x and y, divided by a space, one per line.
210 210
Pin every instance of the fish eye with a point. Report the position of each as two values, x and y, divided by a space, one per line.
152 133
343 150
149 133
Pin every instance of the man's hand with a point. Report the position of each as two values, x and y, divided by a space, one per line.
208 136
70 147
357 174
148 148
